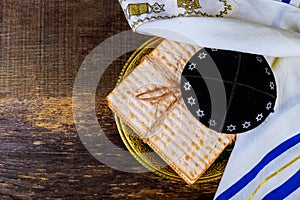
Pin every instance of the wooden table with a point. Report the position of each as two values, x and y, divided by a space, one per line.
43 43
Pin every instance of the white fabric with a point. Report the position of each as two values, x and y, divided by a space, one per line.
252 146
226 34
264 27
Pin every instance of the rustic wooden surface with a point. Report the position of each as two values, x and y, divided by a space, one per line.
42 44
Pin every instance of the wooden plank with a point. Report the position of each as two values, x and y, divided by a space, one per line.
43 43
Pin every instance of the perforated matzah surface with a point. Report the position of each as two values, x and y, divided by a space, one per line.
148 101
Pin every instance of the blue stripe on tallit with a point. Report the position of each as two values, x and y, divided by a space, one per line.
246 179
287 188
286 1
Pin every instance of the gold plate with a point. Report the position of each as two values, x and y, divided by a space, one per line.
141 151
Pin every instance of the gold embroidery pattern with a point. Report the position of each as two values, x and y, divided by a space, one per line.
188 13
138 9
143 8
188 4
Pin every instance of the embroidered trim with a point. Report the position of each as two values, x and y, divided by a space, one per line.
138 12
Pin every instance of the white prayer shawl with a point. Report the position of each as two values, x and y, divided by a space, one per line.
252 149
265 161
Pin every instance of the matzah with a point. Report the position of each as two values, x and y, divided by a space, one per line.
149 101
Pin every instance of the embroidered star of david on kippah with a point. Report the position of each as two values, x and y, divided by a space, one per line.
212 122
191 101
187 86
227 91
192 66
200 113
231 128
246 125
202 55
269 106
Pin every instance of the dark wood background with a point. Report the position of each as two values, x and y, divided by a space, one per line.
42 45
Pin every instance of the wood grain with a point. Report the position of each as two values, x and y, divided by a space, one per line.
43 43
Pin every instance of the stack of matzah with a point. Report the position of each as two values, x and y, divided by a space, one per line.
149 101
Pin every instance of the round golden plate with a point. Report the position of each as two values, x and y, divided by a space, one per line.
141 151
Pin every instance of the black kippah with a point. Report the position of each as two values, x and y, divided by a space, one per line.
227 91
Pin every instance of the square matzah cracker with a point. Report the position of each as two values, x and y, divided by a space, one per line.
149 101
